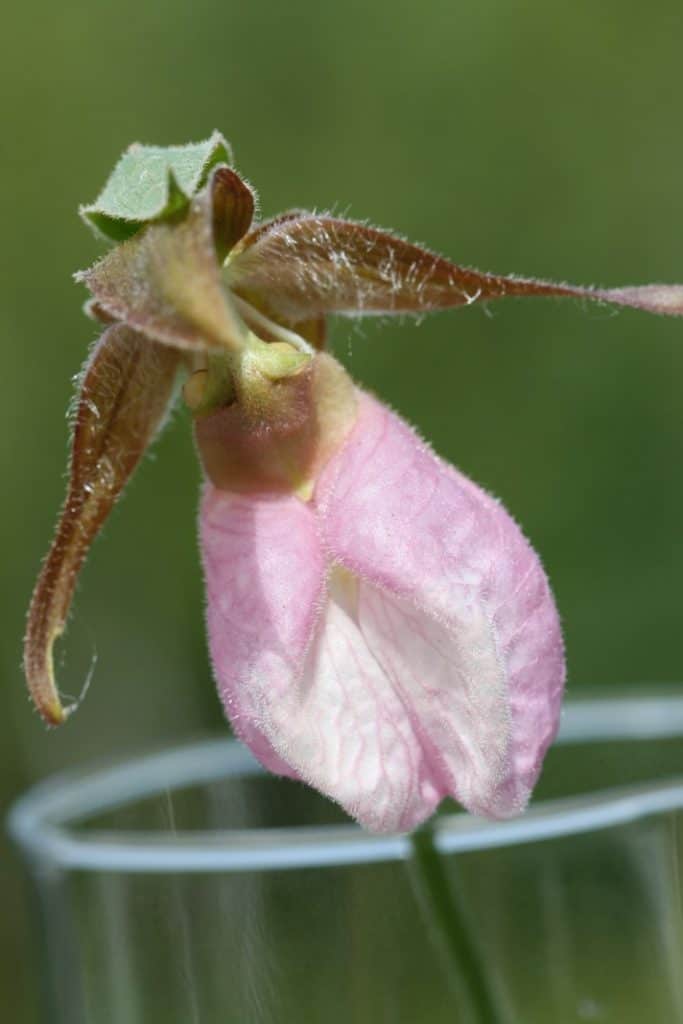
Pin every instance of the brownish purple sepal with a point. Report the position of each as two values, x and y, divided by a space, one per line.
125 392
165 281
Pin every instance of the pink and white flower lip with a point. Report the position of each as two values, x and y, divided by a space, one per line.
392 641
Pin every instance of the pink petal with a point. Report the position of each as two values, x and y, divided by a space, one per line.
457 614
264 572
431 664
346 727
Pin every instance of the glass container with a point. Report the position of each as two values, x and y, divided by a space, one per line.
189 887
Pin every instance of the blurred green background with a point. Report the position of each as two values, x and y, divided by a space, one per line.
532 138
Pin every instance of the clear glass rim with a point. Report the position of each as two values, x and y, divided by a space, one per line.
41 821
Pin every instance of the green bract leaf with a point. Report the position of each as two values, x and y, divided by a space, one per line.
153 182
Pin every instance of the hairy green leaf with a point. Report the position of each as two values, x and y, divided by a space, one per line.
151 183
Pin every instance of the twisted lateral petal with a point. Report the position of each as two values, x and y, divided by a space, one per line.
454 608
306 265
124 395
265 574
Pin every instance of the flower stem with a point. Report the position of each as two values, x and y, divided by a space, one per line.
443 909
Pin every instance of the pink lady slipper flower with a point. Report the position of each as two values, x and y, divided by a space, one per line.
379 626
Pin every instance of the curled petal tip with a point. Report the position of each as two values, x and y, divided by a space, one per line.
55 713
39 666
